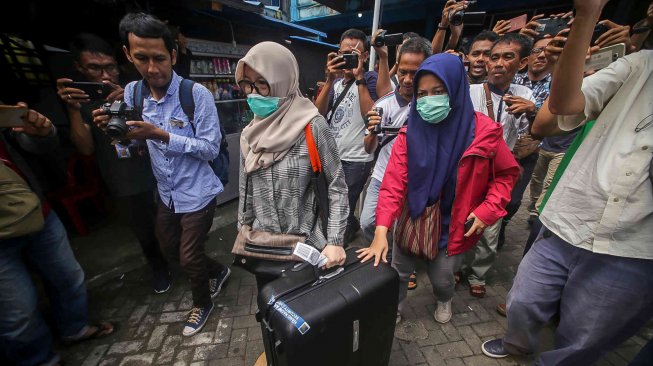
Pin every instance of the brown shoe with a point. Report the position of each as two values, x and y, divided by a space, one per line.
501 309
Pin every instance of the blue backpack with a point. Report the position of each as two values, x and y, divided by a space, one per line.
220 165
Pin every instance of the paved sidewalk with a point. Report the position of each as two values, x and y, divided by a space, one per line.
150 325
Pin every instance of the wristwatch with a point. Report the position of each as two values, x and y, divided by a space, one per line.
361 81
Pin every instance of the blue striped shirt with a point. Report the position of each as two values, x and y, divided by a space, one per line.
184 178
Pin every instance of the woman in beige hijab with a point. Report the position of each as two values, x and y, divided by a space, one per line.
276 195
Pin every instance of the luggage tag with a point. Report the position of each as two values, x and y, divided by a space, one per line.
310 254
122 151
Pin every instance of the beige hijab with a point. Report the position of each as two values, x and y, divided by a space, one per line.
267 140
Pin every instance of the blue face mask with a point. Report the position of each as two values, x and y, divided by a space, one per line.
262 106
433 108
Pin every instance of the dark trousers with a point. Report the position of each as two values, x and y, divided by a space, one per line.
356 174
139 212
527 164
182 237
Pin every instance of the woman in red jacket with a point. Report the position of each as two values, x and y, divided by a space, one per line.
451 156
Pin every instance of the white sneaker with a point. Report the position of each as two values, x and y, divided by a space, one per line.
443 312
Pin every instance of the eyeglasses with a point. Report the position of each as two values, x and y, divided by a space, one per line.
536 51
261 87
95 69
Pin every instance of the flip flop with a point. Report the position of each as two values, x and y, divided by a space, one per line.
93 331
412 281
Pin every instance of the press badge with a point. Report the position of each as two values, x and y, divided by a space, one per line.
176 123
122 151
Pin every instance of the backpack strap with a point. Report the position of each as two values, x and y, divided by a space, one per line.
138 96
186 100
312 149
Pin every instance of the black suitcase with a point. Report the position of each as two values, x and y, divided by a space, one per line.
343 318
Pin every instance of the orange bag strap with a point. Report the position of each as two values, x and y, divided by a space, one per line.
312 149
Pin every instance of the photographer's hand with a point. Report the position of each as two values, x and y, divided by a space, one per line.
334 61
382 51
615 34
519 105
71 96
118 92
359 72
530 29
141 130
502 27
36 124
100 118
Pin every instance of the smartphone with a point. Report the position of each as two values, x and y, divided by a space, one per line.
351 61
388 130
517 23
599 29
552 26
12 116
95 91
468 224
605 56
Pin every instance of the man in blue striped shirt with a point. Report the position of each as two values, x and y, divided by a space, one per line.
180 151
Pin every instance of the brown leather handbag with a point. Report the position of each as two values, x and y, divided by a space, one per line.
419 237
525 145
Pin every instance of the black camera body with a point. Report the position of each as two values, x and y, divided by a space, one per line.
351 61
379 112
384 39
120 113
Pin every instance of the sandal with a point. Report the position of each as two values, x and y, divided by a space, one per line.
93 331
477 290
412 281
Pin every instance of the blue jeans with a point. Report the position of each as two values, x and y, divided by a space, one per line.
603 301
356 174
24 337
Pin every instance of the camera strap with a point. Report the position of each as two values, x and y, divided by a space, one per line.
340 98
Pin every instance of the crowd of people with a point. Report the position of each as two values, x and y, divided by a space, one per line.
446 140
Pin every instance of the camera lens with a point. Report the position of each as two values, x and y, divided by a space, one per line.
117 127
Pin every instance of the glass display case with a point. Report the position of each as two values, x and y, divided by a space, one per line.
213 65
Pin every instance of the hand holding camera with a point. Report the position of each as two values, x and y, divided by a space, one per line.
334 66
607 33
531 28
73 97
34 123
374 120
518 105
456 12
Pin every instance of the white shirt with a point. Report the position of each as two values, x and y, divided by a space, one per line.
604 200
395 113
348 126
511 124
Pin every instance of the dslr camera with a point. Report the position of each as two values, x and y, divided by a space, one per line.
120 113
475 18
384 39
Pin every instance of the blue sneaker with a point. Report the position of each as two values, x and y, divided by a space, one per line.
197 317
160 281
215 284
494 348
